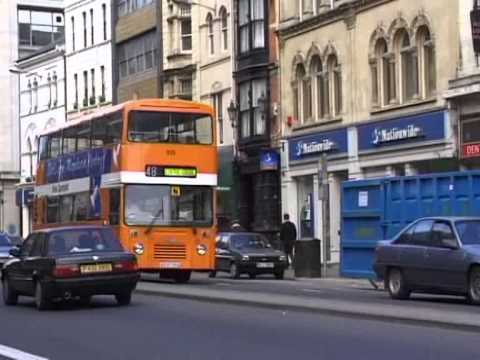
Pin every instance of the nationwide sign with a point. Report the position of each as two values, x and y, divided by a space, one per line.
314 145
395 134
409 130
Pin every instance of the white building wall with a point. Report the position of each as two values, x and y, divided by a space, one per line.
9 137
94 56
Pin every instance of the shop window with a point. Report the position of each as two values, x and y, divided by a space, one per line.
305 207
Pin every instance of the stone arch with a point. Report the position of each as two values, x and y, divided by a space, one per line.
421 20
398 24
298 59
51 123
312 52
379 33
329 51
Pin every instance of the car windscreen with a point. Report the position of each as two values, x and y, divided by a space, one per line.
4 240
77 241
249 241
469 231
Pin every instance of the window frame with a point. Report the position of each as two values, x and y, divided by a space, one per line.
249 26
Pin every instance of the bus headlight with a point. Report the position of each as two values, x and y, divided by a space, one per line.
201 249
139 249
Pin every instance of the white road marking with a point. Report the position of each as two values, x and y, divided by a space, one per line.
16 354
312 290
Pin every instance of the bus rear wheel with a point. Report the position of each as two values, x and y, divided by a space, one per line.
182 276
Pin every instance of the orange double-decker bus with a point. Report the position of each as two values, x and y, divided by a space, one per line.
149 169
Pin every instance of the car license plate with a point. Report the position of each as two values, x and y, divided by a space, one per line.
95 268
170 265
265 265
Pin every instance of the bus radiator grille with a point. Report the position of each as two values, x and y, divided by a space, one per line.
169 252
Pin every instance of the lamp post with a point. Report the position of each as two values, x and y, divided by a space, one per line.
233 116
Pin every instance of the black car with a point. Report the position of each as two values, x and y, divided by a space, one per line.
248 253
434 255
70 262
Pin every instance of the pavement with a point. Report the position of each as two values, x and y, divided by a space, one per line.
332 296
162 328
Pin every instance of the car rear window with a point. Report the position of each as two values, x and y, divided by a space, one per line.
82 241
249 241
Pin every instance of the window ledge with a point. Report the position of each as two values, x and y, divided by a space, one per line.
316 124
380 110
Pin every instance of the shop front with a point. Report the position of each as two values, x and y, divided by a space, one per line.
301 180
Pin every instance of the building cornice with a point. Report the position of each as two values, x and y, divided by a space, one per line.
40 58
343 12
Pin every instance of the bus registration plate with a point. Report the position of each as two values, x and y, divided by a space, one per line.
95 268
170 265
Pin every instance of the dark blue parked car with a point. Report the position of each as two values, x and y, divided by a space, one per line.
433 255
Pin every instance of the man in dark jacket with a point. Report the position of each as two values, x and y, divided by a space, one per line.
288 236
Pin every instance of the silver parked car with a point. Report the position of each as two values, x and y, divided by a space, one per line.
432 255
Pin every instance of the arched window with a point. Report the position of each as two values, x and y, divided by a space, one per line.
321 93
383 75
297 88
211 44
335 79
30 157
408 69
427 65
224 21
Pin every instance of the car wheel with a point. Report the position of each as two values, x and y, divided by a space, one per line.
10 297
396 285
252 276
474 286
41 300
234 271
124 299
279 275
182 277
212 274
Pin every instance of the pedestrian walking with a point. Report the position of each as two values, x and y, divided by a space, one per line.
288 236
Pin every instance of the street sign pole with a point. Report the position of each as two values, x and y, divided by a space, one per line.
323 195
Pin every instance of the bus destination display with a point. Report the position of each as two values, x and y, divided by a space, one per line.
170 171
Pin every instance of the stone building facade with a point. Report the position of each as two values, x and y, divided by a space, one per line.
362 82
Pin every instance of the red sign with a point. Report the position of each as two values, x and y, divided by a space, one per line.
471 150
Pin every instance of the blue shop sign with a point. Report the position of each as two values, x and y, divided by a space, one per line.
330 142
269 160
406 130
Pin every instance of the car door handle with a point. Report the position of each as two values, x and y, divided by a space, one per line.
426 253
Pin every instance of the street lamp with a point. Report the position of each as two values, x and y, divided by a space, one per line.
233 113
262 104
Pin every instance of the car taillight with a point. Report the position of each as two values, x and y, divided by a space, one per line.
65 271
125 265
